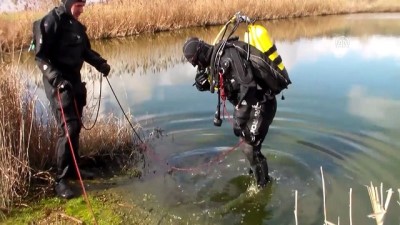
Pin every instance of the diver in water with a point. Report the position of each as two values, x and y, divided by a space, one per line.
226 67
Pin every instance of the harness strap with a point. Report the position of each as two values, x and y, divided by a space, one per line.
271 50
277 60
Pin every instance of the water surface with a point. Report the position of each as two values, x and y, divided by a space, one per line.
340 113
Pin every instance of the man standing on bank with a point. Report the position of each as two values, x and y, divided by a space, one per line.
60 53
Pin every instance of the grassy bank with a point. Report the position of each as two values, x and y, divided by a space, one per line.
107 207
119 18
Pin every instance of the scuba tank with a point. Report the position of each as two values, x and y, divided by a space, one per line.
258 37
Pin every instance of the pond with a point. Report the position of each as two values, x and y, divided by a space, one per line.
340 114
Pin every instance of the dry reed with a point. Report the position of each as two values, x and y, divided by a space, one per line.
295 208
379 204
399 196
350 207
326 222
120 18
15 130
28 137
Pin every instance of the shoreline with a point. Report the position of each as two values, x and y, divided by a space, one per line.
113 20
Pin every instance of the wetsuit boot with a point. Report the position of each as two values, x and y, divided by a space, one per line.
260 171
62 186
63 189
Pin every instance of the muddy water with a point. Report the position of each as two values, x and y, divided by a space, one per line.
340 114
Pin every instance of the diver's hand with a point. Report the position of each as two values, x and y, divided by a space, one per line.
201 80
104 69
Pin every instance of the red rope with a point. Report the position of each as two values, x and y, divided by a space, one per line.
223 97
224 153
221 86
214 160
74 159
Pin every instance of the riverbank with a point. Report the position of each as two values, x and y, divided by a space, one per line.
28 136
105 207
125 18
99 19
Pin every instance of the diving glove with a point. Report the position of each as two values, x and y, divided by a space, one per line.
104 69
201 80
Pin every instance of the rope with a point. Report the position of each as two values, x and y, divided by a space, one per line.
155 156
211 162
74 159
137 135
97 111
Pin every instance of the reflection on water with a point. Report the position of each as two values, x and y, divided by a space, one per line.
154 53
340 113
379 110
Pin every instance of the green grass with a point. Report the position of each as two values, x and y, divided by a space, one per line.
49 210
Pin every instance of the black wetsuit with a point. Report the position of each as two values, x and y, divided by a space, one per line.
60 55
255 106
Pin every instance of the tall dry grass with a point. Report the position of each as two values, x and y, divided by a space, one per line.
120 18
28 137
20 137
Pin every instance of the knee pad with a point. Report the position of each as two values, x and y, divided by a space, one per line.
250 138
237 131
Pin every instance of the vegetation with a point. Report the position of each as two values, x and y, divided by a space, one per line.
120 18
28 135
108 209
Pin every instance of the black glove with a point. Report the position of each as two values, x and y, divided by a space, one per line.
201 80
104 69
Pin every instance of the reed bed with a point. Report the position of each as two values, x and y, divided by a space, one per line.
14 141
28 137
120 18
379 203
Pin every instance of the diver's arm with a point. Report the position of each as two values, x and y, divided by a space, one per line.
43 54
92 57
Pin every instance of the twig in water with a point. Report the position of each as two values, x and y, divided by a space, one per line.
71 218
295 207
377 203
323 193
326 222
350 214
399 196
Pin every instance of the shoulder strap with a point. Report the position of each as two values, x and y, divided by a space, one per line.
243 68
